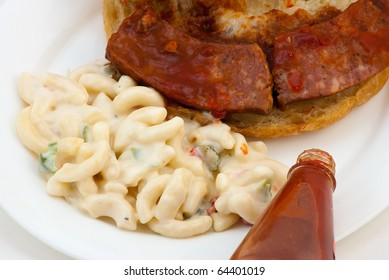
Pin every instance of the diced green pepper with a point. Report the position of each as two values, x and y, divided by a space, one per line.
85 133
210 156
265 190
47 159
136 152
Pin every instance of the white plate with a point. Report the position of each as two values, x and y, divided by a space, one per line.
45 35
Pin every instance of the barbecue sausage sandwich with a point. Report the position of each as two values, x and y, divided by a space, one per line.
267 68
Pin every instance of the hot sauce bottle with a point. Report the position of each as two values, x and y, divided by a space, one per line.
298 222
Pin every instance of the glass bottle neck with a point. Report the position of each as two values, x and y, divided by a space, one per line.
314 165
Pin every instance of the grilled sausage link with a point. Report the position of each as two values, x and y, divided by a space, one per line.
204 75
329 57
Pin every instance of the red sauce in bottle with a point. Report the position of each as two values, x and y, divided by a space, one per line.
298 223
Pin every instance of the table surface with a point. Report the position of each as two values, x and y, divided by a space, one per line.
371 242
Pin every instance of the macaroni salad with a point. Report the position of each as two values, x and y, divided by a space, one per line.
109 147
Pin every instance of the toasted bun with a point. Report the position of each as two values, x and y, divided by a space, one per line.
299 117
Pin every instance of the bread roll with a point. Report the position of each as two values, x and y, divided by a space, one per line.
297 118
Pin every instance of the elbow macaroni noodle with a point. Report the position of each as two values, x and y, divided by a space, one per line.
108 147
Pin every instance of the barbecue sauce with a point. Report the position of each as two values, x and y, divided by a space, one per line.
298 223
